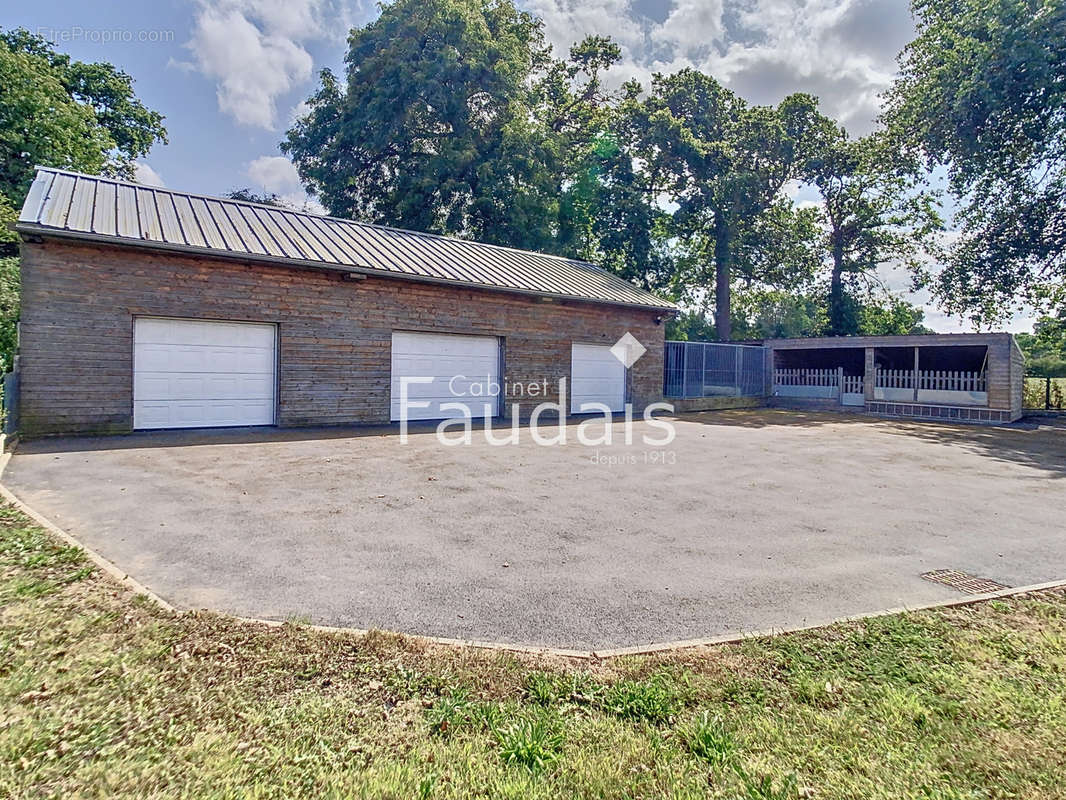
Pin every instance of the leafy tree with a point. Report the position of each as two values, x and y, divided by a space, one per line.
690 326
248 196
778 314
59 113
436 127
727 163
626 231
9 285
779 248
881 313
774 313
982 91
63 113
615 197
1045 347
875 213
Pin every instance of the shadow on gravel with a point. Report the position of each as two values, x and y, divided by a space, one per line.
1032 441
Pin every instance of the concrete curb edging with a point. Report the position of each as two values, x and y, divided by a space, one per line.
137 587
765 633
111 569
675 646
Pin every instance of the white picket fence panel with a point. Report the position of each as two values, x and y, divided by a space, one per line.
805 377
852 384
895 379
939 380
935 380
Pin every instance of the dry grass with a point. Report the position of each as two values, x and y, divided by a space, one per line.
104 695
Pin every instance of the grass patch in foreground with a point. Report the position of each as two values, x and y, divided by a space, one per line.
105 695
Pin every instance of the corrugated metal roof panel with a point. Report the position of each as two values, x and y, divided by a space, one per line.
208 227
57 202
104 210
168 219
148 216
31 209
129 226
82 203
190 228
73 204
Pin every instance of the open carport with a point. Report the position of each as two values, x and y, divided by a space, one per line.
748 520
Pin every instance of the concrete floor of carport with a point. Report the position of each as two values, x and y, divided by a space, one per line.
754 519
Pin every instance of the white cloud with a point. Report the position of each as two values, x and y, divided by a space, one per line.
277 175
256 50
567 22
843 52
142 173
301 109
692 26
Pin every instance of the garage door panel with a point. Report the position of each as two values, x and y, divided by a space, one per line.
461 367
183 357
596 376
157 387
203 373
477 409
199 414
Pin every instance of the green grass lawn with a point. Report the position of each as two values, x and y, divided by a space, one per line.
105 695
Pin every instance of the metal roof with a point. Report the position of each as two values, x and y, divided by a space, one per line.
62 203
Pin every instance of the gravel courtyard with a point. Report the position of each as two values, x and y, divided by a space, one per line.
747 520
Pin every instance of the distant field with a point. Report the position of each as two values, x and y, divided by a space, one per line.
1036 391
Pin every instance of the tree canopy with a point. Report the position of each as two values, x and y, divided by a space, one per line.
1045 347
434 127
455 117
724 164
874 212
982 93
59 112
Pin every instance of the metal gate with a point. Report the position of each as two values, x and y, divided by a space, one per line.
709 369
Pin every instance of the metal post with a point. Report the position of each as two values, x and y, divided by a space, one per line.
737 355
1047 394
684 370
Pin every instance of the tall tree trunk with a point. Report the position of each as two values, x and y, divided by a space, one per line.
837 322
723 323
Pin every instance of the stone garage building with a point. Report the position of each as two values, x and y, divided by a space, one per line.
145 308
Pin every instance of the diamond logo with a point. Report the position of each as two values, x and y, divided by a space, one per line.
628 350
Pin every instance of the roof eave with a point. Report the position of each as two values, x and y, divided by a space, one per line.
34 229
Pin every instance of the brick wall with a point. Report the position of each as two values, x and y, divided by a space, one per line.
79 301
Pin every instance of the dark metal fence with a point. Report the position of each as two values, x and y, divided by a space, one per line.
11 402
707 369
1044 393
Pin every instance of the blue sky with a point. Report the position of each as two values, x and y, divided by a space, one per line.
229 75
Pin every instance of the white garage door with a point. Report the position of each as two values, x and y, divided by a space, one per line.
198 373
464 369
596 376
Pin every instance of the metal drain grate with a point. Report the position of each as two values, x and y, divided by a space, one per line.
963 581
